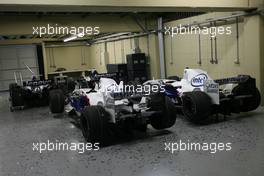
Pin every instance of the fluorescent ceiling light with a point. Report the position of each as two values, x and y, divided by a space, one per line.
70 38
80 35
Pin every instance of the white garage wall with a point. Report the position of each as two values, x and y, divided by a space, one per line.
68 57
184 50
118 50
98 55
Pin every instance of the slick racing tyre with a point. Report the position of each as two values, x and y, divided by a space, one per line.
176 78
16 95
250 103
71 85
166 116
95 125
56 101
196 106
12 86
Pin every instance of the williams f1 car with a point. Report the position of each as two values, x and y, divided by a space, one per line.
36 92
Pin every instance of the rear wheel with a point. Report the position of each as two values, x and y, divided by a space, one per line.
16 96
142 127
176 78
71 85
197 106
56 101
12 86
250 103
167 112
95 125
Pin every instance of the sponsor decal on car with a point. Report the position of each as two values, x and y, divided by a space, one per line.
38 83
212 88
199 80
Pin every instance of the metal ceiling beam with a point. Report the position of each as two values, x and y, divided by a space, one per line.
136 18
221 19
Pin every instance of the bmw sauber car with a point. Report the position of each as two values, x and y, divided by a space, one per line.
199 96
106 112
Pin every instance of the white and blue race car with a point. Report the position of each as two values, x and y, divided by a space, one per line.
199 96
105 107
107 111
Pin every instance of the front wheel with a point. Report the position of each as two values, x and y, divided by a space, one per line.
196 106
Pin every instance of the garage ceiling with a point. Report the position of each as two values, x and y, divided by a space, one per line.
39 18
26 13
126 6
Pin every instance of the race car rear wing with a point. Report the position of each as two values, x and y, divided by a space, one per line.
235 80
104 75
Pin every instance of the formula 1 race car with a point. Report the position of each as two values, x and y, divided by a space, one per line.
32 93
105 110
199 96
35 93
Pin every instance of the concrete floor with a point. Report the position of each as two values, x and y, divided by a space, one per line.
144 155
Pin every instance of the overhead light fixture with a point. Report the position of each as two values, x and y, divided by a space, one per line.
70 38
80 35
